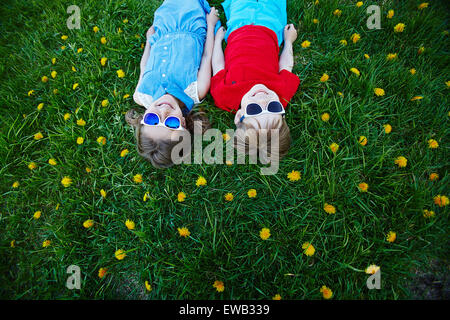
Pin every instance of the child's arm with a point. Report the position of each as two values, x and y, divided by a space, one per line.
204 72
144 59
218 60
287 56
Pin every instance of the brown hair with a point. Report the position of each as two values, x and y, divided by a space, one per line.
245 133
159 152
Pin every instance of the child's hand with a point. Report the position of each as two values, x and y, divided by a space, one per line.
290 34
220 34
212 17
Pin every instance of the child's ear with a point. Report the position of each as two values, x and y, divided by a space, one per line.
238 116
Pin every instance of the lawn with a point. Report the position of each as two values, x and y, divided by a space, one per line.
224 243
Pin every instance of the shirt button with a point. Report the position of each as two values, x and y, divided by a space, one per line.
165 48
164 75
167 36
164 60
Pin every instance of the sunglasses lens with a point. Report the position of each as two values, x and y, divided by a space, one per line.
172 123
253 109
151 119
275 107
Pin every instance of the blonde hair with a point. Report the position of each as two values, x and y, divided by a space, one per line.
158 152
245 133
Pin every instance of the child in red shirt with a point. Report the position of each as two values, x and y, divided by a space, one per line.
253 80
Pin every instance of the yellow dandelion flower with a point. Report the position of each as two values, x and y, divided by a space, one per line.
379 92
32 165
324 78
355 37
105 103
40 106
138 178
146 196
326 292
66 116
75 86
330 209
390 14
103 61
80 140
120 73
228 163
38 136
366 56
343 42
391 236
305 44
434 176
416 98
130 224
63 47
181 196
124 152
53 60
102 272
13 243
229 197
337 12
103 40
101 140
148 287
399 27
55 91
294 175
66 181
103 193
95 29
88 223
37 215
44 79
64 37
88 170
340 94
387 128
30 93
200 181
126 96
363 187
359 4
80 50
219 286
119 30
428 213
81 122
355 71
308 249
433 144
334 147
325 117
372 269
184 232
52 162
16 184
401 161
125 20
447 83
423 6
315 21
421 50
412 71
120 254
441 201
276 297
264 233
46 243
226 137
362 140
251 193
391 56
73 69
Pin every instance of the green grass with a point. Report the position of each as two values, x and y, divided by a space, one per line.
224 243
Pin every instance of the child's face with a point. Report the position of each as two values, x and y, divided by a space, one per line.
261 95
164 107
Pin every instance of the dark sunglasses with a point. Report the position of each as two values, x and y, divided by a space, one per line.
254 109
152 119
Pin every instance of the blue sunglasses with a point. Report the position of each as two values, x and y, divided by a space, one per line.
152 119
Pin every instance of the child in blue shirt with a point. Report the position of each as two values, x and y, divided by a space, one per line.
175 75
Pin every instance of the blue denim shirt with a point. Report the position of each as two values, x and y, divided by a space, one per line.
176 49
267 13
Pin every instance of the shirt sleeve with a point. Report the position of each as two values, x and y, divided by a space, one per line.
288 86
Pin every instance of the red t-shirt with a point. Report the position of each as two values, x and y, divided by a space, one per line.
251 57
